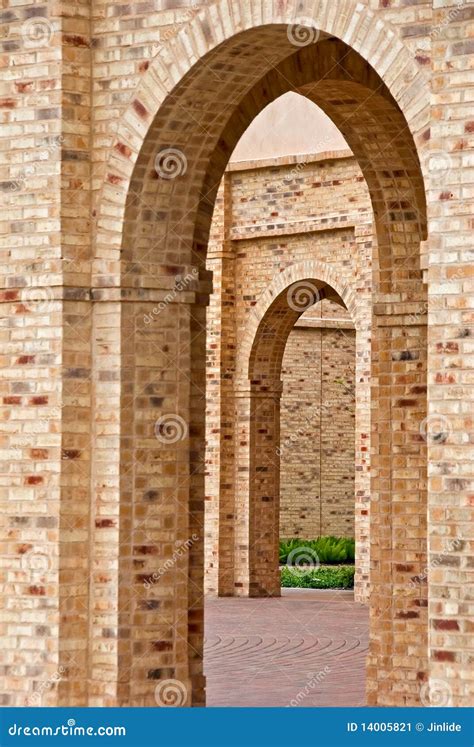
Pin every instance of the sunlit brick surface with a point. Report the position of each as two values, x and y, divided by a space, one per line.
306 649
96 495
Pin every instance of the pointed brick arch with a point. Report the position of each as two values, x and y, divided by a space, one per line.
322 277
253 568
198 96
347 20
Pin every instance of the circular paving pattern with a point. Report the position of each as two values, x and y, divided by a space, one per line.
302 650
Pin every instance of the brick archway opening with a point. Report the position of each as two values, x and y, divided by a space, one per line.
165 233
248 562
227 523
264 386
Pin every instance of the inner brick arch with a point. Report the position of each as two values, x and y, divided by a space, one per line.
258 392
322 277
201 109
249 521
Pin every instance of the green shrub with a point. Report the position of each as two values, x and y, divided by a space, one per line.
326 550
341 577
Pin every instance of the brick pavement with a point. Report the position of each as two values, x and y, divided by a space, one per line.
306 649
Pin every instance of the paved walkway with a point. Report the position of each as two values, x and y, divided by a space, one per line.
306 649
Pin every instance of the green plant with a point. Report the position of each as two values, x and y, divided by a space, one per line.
327 550
340 577
287 547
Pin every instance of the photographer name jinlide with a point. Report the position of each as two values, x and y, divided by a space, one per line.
444 726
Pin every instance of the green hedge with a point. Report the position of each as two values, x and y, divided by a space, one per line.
340 577
326 550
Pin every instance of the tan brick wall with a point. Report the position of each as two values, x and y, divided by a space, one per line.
317 437
122 498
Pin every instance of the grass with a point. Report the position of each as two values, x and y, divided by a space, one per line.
325 577
325 550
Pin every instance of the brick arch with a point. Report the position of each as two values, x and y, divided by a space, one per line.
257 392
197 98
351 22
321 276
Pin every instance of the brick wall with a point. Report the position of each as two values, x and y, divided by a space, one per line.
317 437
93 228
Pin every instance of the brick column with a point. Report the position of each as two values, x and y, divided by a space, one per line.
241 478
398 624
364 240
148 512
264 489
227 436
449 431
221 344
257 485
46 389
